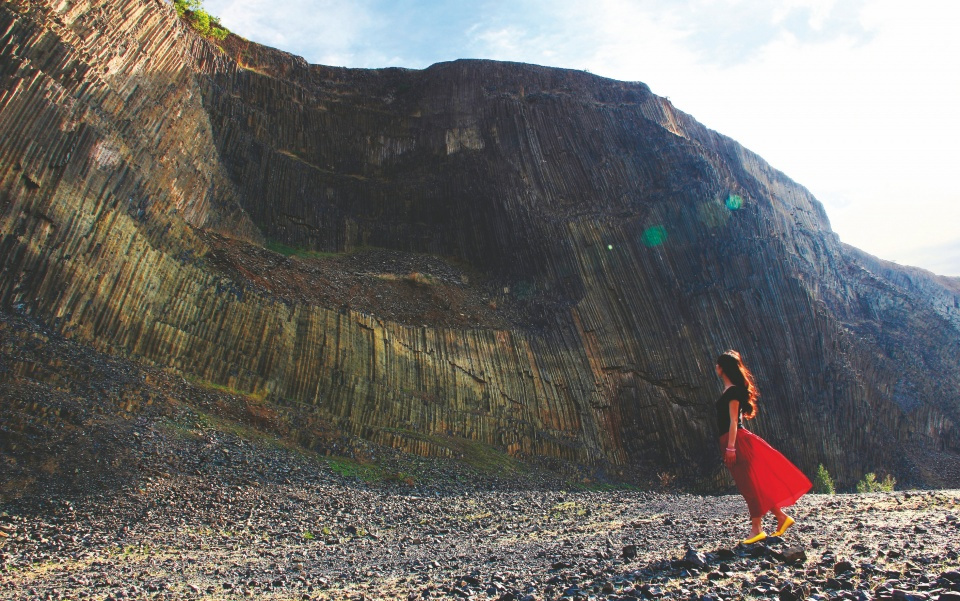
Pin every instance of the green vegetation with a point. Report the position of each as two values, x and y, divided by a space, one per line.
473 517
823 483
424 279
293 251
201 421
257 397
570 508
349 468
666 479
182 431
871 484
203 22
368 472
414 277
482 457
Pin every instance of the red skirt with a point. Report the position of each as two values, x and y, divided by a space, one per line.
766 479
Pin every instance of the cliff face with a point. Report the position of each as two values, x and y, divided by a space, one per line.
535 259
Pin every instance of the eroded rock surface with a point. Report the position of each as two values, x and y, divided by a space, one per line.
537 260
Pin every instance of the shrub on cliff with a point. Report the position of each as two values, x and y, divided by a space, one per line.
823 483
203 22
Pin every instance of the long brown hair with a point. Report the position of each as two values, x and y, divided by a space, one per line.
732 366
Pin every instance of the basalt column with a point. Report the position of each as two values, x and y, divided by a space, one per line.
615 244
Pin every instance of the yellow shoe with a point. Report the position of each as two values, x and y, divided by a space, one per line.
755 539
786 524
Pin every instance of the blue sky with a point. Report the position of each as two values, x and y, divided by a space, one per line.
854 99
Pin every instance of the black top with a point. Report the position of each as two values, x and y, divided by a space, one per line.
734 393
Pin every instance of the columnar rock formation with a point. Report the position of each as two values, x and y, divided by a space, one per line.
591 249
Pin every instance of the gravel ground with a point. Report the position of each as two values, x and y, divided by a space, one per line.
124 481
240 518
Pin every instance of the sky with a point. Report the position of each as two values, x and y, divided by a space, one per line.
857 100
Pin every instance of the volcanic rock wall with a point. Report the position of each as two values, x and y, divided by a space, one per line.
624 244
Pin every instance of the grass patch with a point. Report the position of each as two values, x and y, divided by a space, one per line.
178 430
486 458
199 421
211 422
295 251
481 456
473 517
257 396
568 508
423 279
348 468
414 277
368 472
401 478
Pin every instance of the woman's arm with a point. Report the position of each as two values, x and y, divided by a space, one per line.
730 454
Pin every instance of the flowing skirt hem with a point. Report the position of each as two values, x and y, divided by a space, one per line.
766 479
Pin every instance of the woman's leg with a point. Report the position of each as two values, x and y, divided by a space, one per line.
747 487
784 521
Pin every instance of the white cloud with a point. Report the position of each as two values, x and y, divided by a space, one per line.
322 31
863 116
501 42
866 123
819 10
941 258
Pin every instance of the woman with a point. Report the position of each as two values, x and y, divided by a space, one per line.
765 478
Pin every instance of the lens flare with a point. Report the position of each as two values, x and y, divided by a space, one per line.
734 202
655 236
609 247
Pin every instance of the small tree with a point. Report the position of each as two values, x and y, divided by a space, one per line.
869 483
203 22
823 483
187 6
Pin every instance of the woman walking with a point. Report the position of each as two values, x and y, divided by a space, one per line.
765 478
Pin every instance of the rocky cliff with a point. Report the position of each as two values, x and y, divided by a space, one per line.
537 260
